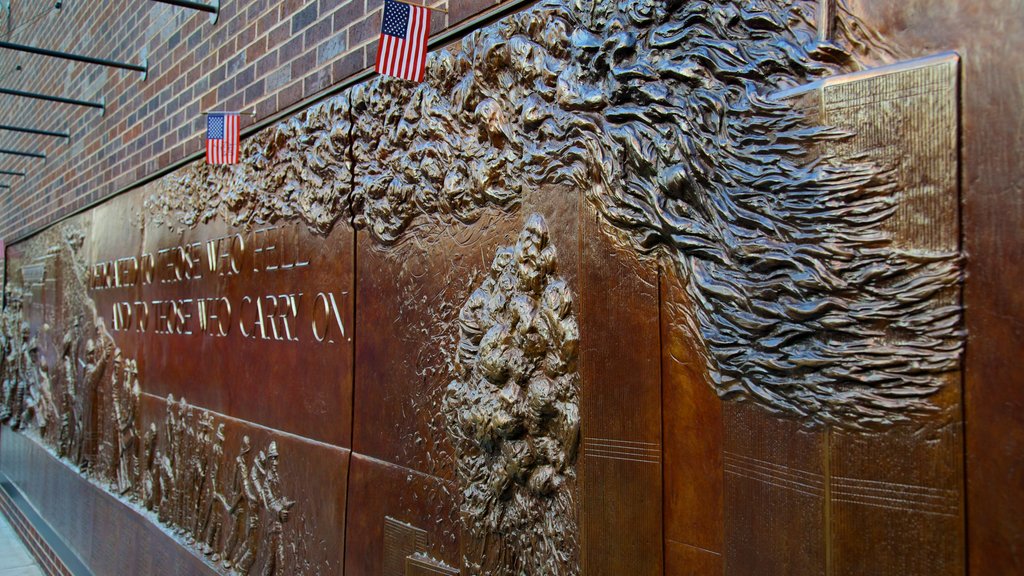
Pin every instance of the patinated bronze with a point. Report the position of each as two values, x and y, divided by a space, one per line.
513 414
621 288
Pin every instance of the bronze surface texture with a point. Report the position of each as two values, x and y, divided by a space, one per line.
623 287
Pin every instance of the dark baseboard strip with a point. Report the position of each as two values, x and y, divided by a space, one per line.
52 554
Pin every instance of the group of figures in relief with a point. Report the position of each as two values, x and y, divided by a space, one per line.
89 413
19 350
34 396
228 511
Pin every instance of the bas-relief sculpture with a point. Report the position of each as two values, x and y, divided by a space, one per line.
670 118
735 142
178 471
513 414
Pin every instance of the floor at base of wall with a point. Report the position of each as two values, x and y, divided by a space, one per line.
15 558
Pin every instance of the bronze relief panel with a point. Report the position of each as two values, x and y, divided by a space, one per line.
622 287
198 369
254 322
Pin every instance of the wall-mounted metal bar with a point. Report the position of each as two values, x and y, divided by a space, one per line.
253 114
74 57
101 105
211 8
23 153
12 173
26 130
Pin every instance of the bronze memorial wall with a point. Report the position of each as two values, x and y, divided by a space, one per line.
624 287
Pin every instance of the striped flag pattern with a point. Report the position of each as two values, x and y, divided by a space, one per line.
222 138
402 51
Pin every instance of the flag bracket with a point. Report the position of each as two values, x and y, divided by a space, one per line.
252 114
102 104
212 7
431 8
24 153
143 68
36 131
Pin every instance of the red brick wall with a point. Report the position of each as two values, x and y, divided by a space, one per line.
261 54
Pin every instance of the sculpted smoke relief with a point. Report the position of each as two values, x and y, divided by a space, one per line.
803 302
664 114
297 169
513 414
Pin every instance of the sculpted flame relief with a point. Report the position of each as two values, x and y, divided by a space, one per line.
664 115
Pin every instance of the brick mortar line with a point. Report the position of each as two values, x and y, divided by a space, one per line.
29 536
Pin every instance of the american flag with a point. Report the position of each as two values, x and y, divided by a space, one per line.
221 138
402 51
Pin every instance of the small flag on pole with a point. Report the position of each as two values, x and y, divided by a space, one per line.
221 138
402 51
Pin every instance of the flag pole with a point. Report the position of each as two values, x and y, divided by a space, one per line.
253 114
427 7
